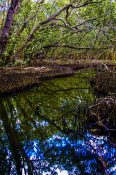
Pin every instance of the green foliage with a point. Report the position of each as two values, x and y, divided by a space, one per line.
91 26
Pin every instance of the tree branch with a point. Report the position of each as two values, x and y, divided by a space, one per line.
52 17
73 47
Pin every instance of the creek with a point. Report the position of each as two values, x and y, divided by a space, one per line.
46 131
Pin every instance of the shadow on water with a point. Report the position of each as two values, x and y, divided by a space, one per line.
46 131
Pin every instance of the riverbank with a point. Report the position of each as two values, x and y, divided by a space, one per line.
15 79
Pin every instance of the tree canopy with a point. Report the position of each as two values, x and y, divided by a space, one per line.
57 29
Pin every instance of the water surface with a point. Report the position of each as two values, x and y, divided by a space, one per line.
45 131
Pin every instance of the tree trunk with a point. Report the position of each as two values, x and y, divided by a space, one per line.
8 24
16 146
11 138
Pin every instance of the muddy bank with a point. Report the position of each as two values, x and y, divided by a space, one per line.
102 114
104 83
13 80
102 117
16 79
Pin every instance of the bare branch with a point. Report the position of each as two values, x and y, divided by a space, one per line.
84 22
59 19
73 47
52 17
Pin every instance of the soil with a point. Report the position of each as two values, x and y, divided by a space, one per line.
104 84
16 79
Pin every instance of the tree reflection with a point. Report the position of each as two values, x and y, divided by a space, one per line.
41 133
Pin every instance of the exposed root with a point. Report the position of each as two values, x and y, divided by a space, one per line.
103 116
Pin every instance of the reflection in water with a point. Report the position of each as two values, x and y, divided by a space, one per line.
45 131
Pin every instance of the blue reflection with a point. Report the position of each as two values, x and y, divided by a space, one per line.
86 155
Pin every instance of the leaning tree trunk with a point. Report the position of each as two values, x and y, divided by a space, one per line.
15 144
5 34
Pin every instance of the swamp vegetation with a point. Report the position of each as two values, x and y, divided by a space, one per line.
57 87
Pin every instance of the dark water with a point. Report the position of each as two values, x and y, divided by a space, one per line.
45 131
